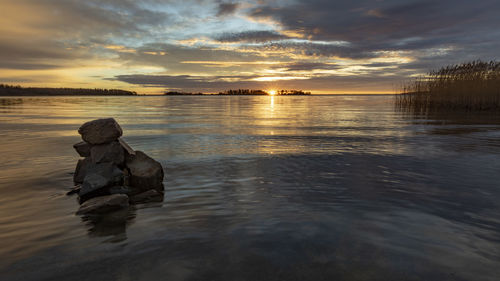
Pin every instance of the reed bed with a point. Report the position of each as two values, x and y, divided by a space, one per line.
472 86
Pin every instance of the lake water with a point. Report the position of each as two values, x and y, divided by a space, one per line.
256 188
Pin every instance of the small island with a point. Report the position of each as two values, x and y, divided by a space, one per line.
10 90
245 92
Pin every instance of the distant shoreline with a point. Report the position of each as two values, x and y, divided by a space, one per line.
8 90
18 91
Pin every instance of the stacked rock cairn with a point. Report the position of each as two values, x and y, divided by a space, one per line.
112 175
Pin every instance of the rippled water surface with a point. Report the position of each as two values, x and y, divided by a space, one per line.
256 188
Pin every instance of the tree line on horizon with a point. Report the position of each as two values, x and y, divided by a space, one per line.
11 90
242 92
291 92
262 92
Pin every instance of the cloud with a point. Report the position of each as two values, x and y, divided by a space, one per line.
308 66
257 36
315 49
225 9
382 25
54 33
189 82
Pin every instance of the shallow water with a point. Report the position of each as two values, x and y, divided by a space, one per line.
256 188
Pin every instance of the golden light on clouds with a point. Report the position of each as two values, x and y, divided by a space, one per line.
121 49
233 63
277 78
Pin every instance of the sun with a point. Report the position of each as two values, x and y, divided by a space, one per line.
272 92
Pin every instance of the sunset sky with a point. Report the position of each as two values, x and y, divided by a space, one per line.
150 46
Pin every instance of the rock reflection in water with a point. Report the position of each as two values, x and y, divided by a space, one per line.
110 224
115 223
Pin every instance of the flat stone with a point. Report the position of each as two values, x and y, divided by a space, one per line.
110 152
126 147
151 195
81 169
83 148
103 204
100 131
145 172
100 176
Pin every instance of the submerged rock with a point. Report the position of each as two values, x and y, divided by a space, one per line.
100 131
103 204
151 195
112 152
83 148
81 169
100 176
145 172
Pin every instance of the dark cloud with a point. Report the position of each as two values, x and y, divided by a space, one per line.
27 66
24 55
257 36
225 9
67 30
126 18
313 49
308 66
391 24
378 64
189 82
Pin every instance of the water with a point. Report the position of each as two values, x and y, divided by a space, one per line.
257 188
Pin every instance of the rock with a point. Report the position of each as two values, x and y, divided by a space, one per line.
100 131
103 204
81 169
75 189
126 177
126 147
83 148
151 195
145 172
110 152
99 176
119 190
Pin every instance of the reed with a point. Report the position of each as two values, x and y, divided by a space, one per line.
472 86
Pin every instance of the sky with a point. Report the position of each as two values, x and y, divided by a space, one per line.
326 47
